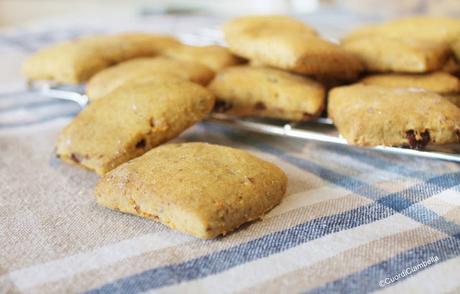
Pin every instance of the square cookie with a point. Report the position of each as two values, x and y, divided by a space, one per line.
200 189
142 69
439 82
76 61
296 50
267 92
428 28
368 115
132 120
213 56
386 54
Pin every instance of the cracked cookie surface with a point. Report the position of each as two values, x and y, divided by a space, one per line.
132 120
197 188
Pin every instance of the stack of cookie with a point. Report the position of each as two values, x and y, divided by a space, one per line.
408 96
287 61
411 94
145 90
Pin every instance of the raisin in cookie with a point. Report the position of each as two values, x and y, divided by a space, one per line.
76 61
141 69
294 50
383 54
200 189
214 57
368 115
267 92
132 120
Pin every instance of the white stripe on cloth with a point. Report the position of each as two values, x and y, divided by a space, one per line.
443 202
55 270
70 265
261 270
439 278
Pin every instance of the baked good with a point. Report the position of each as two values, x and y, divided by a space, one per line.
76 61
369 115
428 28
141 69
132 120
297 50
255 24
439 82
213 56
267 92
197 188
384 54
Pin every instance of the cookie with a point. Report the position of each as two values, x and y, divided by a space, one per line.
76 61
267 92
214 57
132 120
296 50
428 28
200 189
255 24
368 115
439 82
383 54
141 69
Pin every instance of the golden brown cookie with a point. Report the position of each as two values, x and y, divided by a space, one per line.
132 120
368 115
428 28
383 54
200 189
76 61
439 82
142 69
267 92
297 50
214 57
255 24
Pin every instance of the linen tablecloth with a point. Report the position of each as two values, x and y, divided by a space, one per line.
353 220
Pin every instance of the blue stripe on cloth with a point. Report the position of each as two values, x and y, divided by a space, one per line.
262 247
373 158
398 201
276 242
367 280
